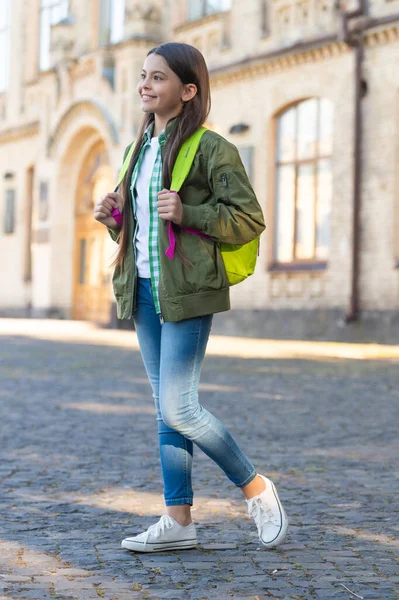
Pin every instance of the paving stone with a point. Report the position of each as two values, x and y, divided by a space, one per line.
77 475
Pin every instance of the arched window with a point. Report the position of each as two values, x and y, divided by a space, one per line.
304 137
52 12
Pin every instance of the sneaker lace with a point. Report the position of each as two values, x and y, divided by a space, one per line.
260 512
165 522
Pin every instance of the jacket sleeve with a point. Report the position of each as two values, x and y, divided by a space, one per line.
235 216
114 232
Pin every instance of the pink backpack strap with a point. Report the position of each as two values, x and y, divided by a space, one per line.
170 252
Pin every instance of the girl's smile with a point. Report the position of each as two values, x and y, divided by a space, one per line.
161 90
147 98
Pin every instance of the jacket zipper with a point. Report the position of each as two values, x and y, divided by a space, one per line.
226 186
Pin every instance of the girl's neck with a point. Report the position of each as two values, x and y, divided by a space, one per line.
161 122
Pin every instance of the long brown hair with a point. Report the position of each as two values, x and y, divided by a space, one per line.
189 65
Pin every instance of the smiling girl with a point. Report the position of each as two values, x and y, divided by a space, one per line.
172 299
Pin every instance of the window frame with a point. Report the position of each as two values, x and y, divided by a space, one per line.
204 11
5 43
105 35
49 6
265 19
9 219
295 264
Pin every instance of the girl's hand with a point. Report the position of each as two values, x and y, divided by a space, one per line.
170 207
104 208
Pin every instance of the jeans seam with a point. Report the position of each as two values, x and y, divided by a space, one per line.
231 448
178 501
186 463
247 480
209 425
195 356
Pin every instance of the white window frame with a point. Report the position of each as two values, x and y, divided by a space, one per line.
316 159
51 13
5 10
112 21
199 9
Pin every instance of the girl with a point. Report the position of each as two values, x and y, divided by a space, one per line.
172 299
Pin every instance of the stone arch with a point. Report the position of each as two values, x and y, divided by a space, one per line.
72 149
89 112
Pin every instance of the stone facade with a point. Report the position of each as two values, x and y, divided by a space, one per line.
263 57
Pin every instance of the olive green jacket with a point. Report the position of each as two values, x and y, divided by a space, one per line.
219 201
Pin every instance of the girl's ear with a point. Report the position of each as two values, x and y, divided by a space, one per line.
189 91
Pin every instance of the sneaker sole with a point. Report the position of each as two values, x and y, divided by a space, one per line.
141 547
284 524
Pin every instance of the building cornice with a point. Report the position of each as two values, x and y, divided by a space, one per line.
376 33
282 59
21 131
193 25
382 36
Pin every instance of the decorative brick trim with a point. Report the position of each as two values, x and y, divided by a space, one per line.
284 60
22 131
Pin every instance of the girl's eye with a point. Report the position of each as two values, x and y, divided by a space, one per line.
157 77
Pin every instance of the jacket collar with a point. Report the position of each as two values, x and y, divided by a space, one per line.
163 136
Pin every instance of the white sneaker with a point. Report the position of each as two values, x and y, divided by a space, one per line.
167 534
269 515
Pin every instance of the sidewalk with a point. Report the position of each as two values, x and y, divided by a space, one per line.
79 469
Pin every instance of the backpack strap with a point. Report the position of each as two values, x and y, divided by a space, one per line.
181 169
126 163
185 159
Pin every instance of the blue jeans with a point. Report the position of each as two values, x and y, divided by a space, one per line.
173 354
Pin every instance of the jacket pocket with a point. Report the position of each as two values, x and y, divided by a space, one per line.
207 272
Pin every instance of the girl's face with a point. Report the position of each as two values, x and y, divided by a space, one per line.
160 89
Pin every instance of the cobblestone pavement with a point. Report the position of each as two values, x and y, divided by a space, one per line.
79 470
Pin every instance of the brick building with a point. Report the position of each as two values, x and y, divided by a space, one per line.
306 89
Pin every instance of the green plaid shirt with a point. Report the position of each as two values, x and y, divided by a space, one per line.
155 188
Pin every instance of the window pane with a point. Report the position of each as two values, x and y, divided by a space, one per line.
105 18
52 12
9 213
195 9
45 39
58 10
4 13
64 9
246 155
286 136
326 127
117 20
305 217
55 14
285 197
307 129
324 197
43 201
212 6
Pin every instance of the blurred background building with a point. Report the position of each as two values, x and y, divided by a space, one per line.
306 89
